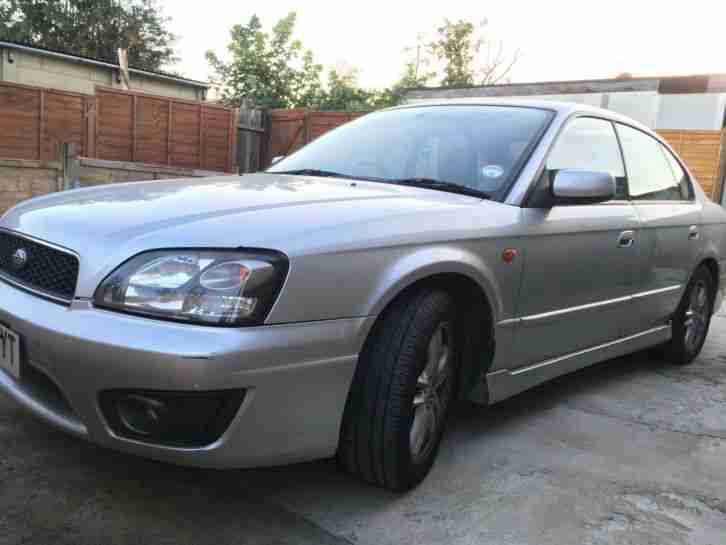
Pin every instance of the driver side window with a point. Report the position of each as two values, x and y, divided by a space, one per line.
588 143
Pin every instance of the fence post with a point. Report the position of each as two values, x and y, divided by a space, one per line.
306 121
89 127
70 165
170 133
266 147
718 186
232 159
41 124
201 136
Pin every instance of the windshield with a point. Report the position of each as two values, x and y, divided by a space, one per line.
478 147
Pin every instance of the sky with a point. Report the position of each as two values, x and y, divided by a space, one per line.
558 40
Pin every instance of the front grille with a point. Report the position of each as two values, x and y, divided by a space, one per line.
46 269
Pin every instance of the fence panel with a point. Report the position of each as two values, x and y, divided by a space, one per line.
291 129
216 144
61 122
701 151
186 132
286 132
114 126
137 127
20 114
152 126
35 121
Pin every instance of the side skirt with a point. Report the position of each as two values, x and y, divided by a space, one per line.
507 382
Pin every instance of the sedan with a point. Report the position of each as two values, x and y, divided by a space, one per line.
339 303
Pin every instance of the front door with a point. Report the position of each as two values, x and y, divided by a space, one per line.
580 261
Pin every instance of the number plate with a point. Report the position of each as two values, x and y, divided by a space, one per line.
10 351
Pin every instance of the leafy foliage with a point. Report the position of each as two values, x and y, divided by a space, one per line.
456 46
92 28
468 57
272 70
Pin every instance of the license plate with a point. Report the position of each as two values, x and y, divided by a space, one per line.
10 351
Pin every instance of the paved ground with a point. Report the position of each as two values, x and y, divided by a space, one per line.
632 451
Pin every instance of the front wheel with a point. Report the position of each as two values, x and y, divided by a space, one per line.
692 318
403 388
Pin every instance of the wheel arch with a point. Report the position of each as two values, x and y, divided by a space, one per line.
474 288
712 265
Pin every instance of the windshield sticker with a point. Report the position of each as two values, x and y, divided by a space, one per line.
492 171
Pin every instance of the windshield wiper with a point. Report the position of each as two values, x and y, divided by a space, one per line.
316 172
430 183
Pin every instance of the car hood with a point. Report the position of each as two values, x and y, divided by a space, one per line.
294 214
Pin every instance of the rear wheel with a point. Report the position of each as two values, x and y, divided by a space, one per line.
692 318
402 392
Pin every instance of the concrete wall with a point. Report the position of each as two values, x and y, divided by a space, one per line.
696 103
42 71
101 172
692 111
22 179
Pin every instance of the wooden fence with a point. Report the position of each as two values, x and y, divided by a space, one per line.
703 153
135 127
291 129
116 125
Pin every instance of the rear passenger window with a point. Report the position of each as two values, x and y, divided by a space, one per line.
653 173
588 143
680 174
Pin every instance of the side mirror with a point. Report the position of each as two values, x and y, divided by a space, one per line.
572 186
277 159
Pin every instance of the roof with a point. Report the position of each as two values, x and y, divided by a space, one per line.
72 57
696 83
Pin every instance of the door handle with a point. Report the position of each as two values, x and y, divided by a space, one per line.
693 233
626 239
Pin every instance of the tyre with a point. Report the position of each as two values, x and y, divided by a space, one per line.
402 391
692 318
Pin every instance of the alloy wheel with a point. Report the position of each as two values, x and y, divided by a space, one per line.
696 322
433 392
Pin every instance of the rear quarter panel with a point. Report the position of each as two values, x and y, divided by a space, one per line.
714 236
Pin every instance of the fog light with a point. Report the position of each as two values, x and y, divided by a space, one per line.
184 419
142 415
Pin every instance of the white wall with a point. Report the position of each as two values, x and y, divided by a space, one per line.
692 111
591 99
642 106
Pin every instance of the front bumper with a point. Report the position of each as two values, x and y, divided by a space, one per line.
296 376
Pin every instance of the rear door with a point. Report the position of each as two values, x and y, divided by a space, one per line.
670 217
580 260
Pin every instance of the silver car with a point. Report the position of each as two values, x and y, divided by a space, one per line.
339 303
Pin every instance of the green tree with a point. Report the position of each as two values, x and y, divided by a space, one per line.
417 71
456 46
468 56
270 69
92 28
344 94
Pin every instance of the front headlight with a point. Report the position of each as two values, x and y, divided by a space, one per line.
210 287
